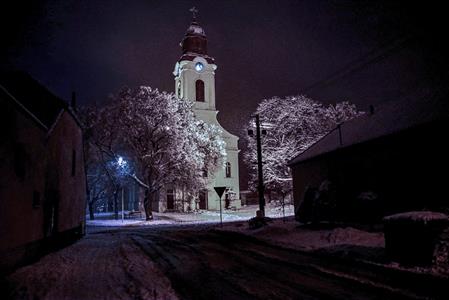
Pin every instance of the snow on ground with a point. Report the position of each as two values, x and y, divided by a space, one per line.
102 266
289 234
422 216
126 222
343 241
203 216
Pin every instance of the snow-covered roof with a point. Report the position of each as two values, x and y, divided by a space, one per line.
33 98
195 29
389 118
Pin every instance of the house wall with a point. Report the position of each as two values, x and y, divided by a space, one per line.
22 168
183 201
33 166
64 141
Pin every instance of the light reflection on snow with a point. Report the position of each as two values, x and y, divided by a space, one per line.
199 217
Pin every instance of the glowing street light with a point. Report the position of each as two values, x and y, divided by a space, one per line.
121 162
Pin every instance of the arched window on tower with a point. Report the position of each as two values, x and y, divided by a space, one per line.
178 89
228 169
199 88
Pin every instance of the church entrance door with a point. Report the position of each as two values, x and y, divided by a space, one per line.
203 199
227 201
170 199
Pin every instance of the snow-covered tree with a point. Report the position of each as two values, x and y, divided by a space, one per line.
97 187
102 146
292 125
166 142
160 137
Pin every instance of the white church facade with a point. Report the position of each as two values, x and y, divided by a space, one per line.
194 76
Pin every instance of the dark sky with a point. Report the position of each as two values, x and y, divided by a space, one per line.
367 52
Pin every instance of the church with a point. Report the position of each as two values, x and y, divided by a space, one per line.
195 81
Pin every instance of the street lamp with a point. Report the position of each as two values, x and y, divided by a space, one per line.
121 162
260 185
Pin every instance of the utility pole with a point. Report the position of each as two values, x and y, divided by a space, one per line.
123 205
260 186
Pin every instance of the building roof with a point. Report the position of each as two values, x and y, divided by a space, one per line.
387 119
194 43
32 96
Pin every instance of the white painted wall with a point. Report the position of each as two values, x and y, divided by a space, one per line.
185 78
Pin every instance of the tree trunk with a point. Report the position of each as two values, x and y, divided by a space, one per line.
110 204
91 210
147 204
283 207
116 192
89 203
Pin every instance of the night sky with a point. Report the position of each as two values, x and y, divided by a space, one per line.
367 52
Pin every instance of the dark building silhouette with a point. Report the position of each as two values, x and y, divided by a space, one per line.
393 158
42 176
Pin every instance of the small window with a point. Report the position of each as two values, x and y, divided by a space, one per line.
36 199
73 162
179 89
199 88
204 173
228 169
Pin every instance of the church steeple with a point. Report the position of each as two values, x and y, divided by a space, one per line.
195 70
194 76
194 42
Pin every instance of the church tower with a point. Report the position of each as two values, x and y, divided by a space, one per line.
195 81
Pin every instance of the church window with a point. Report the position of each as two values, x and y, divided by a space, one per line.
199 88
228 169
179 89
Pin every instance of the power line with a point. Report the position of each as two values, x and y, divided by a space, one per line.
360 63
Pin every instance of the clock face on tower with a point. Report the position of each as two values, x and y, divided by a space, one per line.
199 66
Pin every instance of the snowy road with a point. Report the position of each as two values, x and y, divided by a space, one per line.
189 262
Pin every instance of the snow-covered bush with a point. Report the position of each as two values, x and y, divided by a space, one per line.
411 237
318 204
325 202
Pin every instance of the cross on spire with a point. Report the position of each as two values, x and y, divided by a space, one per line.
194 11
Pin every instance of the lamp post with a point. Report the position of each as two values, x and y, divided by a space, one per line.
121 162
260 185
